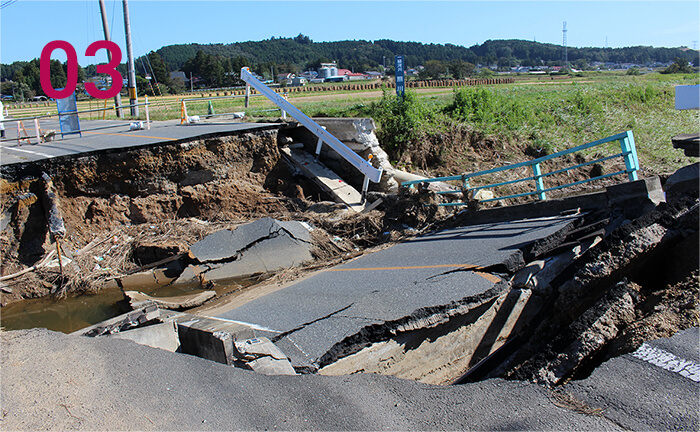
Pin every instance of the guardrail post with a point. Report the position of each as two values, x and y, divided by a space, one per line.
537 174
36 131
629 153
284 113
247 96
365 186
318 146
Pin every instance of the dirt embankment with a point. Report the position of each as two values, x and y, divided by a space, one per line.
124 210
125 198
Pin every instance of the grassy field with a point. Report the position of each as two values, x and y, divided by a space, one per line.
543 114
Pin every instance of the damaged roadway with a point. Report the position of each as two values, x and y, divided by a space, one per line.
112 384
409 284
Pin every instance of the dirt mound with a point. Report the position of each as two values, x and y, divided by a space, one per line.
121 200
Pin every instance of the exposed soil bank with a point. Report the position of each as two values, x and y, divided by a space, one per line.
128 209
128 198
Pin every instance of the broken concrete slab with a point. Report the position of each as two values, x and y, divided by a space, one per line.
163 336
192 275
689 143
325 178
411 283
271 255
136 299
147 314
263 246
211 339
262 356
684 179
149 278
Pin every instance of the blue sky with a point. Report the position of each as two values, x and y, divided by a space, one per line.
26 26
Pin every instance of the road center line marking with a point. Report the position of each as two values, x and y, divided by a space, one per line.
668 361
489 277
463 266
130 135
29 151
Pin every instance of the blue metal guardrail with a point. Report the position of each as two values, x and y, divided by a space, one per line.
628 153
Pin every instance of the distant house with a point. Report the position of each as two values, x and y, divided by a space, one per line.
310 74
349 75
285 78
299 81
179 75
373 74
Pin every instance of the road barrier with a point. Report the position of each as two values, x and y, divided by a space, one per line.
370 172
42 137
628 153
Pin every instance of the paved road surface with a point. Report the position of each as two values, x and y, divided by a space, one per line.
60 382
111 134
655 388
432 270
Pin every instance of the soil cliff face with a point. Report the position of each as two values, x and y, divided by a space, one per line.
225 178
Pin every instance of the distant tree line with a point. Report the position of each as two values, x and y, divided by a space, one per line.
218 65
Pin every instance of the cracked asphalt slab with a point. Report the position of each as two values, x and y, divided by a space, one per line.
436 269
66 382
656 387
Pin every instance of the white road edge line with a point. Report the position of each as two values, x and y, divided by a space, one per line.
668 361
29 151
251 325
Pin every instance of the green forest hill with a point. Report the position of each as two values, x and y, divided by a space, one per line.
302 53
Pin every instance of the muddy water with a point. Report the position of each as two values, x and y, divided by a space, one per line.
79 311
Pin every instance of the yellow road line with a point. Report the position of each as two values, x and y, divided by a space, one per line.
489 277
132 135
466 266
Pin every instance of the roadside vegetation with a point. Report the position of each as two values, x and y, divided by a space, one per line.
520 121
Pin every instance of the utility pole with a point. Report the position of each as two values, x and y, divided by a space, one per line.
565 60
105 27
133 99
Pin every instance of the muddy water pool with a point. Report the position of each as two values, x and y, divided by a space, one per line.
79 311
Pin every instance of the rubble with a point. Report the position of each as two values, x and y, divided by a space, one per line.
136 299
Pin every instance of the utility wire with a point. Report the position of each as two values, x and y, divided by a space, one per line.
7 3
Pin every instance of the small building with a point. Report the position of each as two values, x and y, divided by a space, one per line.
309 74
351 76
285 78
373 74
299 81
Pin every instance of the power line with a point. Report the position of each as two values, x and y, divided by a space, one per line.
8 3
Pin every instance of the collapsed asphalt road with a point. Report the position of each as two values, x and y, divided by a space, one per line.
61 382
401 286
57 381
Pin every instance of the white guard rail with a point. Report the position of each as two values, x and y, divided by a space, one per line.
370 172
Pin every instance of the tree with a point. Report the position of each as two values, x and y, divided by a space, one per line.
304 40
680 65
580 64
433 69
159 68
461 69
